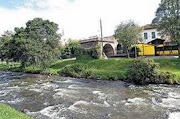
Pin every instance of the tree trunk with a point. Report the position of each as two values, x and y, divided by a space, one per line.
135 52
179 50
127 53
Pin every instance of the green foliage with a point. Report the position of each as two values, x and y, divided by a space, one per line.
166 78
66 53
128 33
76 70
37 43
168 19
95 52
7 112
146 71
132 49
142 71
9 67
4 39
73 49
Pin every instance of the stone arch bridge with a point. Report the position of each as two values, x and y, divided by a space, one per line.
110 45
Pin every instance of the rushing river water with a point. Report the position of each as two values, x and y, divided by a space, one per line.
55 97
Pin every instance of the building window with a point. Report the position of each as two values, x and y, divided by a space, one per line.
145 36
153 35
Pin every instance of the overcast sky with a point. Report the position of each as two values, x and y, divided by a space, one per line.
78 18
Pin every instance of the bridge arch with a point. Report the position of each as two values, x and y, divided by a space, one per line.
108 50
119 48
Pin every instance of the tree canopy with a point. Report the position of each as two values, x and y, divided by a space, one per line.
128 33
4 39
37 43
168 19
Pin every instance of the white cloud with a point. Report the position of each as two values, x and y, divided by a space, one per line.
80 18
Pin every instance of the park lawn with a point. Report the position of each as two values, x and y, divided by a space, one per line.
6 112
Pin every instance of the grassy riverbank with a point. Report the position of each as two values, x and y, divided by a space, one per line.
6 112
101 69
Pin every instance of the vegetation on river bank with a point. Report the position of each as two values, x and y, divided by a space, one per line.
108 69
6 112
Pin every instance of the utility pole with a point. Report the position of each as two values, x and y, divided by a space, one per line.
101 38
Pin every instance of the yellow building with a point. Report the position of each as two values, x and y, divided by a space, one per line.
146 49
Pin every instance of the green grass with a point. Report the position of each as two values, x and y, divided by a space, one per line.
6 112
101 68
172 65
11 66
108 68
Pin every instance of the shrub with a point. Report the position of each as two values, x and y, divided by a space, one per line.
76 70
66 53
95 52
166 78
145 71
142 71
73 49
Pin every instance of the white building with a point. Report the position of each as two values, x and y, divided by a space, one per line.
150 33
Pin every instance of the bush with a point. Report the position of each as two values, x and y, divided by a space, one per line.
95 52
166 78
77 70
73 49
142 71
145 71
66 53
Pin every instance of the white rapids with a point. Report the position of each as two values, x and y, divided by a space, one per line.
54 97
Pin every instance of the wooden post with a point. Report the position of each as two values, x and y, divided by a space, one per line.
101 38
143 49
135 52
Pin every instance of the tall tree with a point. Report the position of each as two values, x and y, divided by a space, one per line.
37 43
168 20
128 33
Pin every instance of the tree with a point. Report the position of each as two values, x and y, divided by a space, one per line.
37 43
72 49
75 46
128 33
168 20
6 37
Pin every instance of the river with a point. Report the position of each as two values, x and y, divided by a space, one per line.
54 97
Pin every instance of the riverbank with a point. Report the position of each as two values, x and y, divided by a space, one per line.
108 69
6 112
